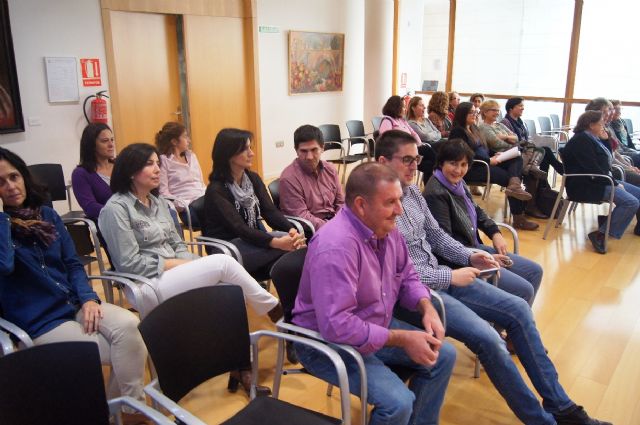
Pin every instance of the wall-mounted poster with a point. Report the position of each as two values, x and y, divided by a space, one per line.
316 62
11 120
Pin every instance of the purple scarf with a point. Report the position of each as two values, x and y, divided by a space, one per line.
458 190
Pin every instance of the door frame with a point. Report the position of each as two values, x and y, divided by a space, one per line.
245 9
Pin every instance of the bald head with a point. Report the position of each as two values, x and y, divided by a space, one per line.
364 179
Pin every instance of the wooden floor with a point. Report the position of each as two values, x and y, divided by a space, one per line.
587 310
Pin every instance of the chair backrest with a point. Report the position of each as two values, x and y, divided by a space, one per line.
531 127
629 124
197 206
58 383
376 121
274 190
355 128
84 234
51 177
545 123
285 275
196 336
555 119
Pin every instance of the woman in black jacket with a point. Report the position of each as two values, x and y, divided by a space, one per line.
236 200
452 206
504 173
585 153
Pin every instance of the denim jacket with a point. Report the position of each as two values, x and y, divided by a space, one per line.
41 287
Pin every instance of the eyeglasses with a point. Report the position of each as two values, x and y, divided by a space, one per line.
494 110
408 160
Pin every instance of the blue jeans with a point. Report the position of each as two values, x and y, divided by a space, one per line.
393 402
468 310
521 279
627 202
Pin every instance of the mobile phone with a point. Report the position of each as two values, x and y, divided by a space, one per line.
488 272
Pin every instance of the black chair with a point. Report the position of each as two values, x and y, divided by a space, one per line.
274 191
51 177
85 238
571 203
333 141
60 383
285 275
357 135
209 325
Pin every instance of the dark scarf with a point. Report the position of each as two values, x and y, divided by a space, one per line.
27 223
519 128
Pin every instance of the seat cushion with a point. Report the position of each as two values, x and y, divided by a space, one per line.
271 411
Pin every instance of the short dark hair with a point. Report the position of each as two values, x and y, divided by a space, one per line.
229 143
35 193
307 133
131 160
454 150
390 141
363 180
512 103
170 131
393 107
586 119
88 145
473 96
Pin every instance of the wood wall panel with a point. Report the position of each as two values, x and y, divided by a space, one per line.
145 89
220 80
232 8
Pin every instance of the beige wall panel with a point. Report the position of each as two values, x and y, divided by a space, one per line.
220 80
233 8
145 61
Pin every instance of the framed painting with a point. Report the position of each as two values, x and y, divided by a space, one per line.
11 120
316 62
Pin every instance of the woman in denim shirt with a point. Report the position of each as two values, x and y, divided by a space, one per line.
143 240
44 288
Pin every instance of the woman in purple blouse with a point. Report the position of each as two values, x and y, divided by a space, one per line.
91 178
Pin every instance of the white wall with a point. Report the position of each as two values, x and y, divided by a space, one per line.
280 113
47 28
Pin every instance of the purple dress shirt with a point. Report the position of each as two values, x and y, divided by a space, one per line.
310 195
91 191
181 181
351 281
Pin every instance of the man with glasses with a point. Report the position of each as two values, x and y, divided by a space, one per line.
309 186
471 303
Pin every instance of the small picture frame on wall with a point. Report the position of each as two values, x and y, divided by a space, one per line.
316 62
11 120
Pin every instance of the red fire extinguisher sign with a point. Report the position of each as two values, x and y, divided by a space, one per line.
90 72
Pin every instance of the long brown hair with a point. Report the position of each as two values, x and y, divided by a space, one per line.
169 132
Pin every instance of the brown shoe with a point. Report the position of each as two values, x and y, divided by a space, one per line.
475 190
243 378
515 190
521 222
534 212
537 173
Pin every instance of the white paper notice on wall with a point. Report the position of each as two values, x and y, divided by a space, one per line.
62 79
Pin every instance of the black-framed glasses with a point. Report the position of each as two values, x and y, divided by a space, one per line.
408 159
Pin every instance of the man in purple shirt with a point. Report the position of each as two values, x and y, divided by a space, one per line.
357 268
309 186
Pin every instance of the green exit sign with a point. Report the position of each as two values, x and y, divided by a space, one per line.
269 29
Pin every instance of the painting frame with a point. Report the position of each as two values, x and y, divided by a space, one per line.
315 62
11 118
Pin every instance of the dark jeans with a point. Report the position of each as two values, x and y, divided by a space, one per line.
257 259
550 159
500 175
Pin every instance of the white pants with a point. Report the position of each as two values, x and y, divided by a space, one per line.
120 345
208 271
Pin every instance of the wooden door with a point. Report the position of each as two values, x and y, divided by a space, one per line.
220 80
142 57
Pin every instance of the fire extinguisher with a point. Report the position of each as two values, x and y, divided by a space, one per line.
98 108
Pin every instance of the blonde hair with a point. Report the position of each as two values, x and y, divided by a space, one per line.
488 104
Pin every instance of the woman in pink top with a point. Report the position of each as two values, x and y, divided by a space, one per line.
180 173
394 112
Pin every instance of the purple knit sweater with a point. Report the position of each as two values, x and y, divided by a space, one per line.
91 191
